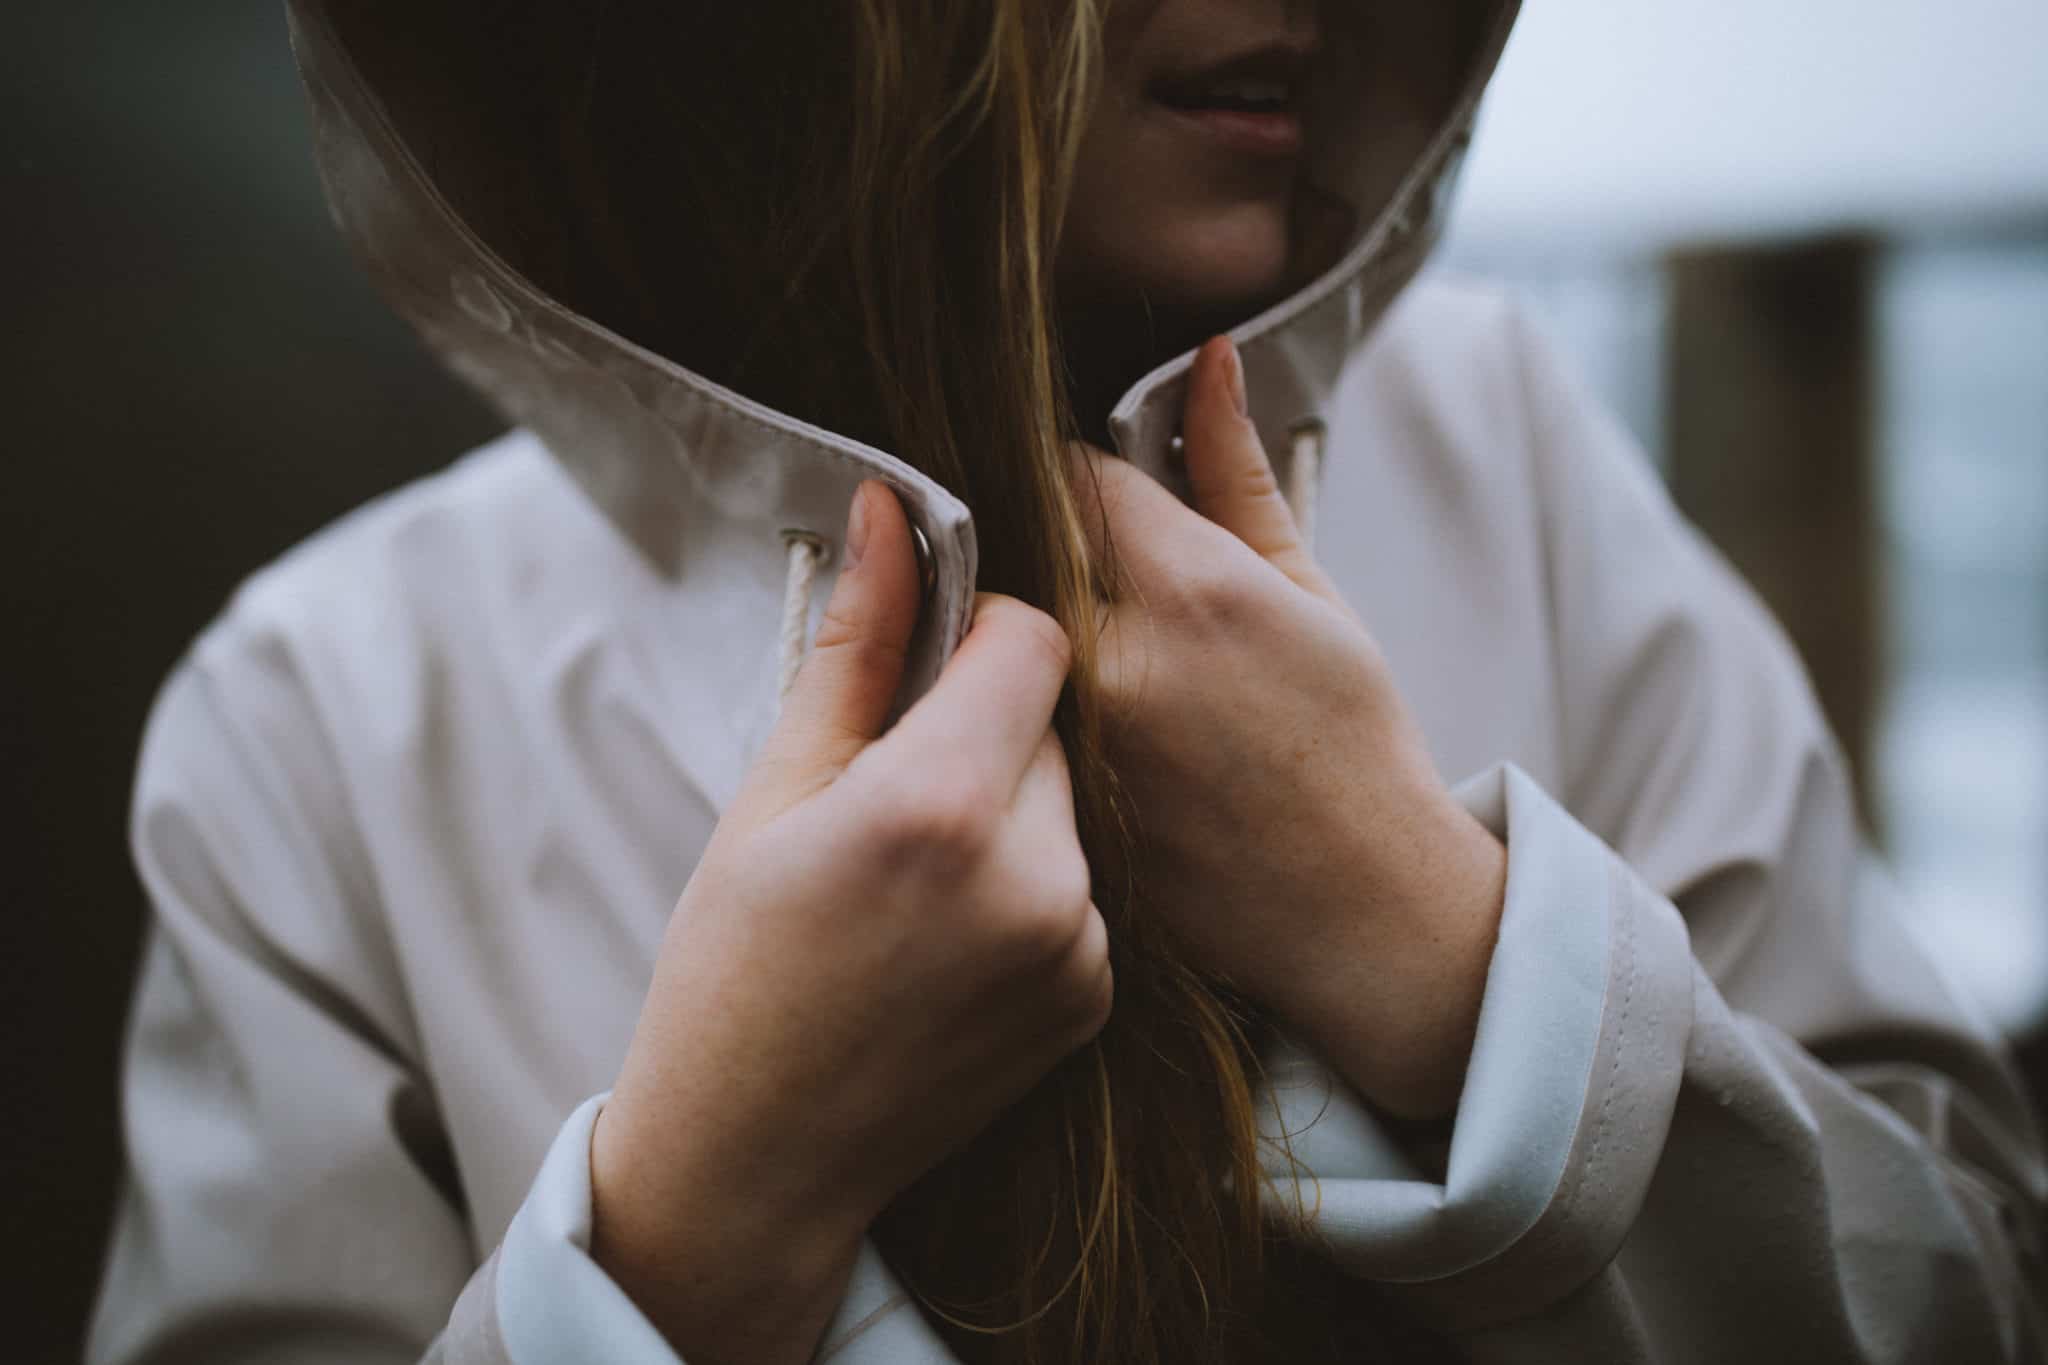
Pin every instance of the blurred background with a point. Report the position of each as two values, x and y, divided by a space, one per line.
1802 250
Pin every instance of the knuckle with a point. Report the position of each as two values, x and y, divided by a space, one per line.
1248 481
1052 752
1052 642
1099 466
1035 929
955 827
935 813
1210 594
1123 667
1033 631
1094 999
1038 937
841 636
1068 886
1102 1002
1056 950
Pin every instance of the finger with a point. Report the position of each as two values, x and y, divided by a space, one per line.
840 701
1041 829
1090 979
1048 773
1081 988
1044 799
994 700
1085 988
1121 662
1231 478
1128 514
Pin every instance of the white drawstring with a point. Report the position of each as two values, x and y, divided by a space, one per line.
806 555
1305 478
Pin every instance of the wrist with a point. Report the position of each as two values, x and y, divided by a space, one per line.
730 1272
1391 989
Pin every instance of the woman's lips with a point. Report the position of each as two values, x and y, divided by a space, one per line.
1276 133
1250 102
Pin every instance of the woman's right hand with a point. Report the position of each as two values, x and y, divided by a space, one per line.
888 941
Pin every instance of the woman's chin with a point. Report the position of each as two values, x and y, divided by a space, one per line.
1132 298
1228 270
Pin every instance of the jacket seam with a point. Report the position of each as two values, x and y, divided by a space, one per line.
1541 435
1588 1169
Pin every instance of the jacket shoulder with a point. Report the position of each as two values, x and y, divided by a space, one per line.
1438 399
464 560
1463 363
487 523
270 747
347 647
1449 306
1446 368
1448 317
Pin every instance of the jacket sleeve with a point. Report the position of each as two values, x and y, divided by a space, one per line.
290 1195
1720 1107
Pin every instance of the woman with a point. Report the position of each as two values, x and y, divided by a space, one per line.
1097 968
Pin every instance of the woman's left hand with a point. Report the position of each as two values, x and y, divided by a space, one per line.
1298 839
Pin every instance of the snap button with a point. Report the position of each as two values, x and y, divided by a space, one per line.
927 566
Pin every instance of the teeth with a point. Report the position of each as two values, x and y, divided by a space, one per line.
1249 91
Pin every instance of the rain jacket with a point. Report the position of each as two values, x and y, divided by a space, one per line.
413 813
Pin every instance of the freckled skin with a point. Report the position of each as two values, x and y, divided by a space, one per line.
1298 840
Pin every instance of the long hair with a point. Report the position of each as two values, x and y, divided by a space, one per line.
851 212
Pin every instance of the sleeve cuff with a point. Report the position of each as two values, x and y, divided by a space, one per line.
554 1303
556 1306
1569 1093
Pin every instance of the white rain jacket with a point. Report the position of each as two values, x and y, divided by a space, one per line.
413 813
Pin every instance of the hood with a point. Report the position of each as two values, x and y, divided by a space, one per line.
696 474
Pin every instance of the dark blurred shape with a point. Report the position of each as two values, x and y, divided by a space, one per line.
1770 425
194 378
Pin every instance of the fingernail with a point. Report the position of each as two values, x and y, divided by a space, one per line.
1234 373
857 526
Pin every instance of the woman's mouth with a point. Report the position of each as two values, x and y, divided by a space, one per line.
1251 102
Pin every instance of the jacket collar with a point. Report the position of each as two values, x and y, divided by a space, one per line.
687 468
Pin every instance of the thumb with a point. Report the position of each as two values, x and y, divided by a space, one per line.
840 701
1231 478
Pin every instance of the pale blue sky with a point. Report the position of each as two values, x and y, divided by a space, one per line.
1635 123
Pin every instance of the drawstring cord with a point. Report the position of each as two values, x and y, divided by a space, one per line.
1305 478
806 556
807 552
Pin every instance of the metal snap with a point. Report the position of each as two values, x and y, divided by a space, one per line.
927 565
